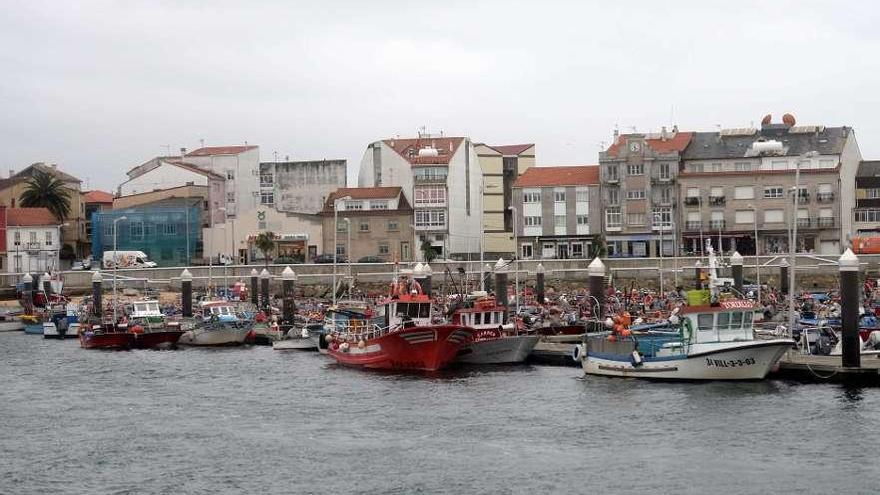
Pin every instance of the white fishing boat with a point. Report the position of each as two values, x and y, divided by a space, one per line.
10 322
219 326
494 341
709 342
62 321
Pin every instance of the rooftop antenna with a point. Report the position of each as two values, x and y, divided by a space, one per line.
275 154
202 143
633 128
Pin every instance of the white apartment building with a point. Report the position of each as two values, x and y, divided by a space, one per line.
240 165
33 240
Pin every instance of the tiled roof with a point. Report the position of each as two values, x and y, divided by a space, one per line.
29 217
676 142
97 197
512 149
575 175
220 150
28 172
365 192
409 149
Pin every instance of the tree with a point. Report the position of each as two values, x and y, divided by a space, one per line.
428 251
265 242
601 246
44 190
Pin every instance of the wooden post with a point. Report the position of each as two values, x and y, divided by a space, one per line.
255 291
849 309
783 276
539 283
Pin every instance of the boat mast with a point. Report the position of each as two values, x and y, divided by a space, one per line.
713 272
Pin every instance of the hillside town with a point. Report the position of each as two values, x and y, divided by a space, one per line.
434 197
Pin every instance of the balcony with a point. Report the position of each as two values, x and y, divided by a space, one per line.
716 200
825 222
716 224
662 179
692 201
612 179
429 179
803 198
826 197
660 200
804 223
693 225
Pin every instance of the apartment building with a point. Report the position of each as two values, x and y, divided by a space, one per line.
442 176
372 221
735 181
638 174
300 186
33 240
502 165
240 166
866 215
557 212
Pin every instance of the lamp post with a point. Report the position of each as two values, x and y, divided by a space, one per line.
336 239
225 280
115 262
757 262
516 256
659 224
792 250
348 245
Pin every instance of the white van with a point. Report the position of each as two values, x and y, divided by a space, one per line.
127 259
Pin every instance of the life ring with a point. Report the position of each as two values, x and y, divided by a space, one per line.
577 353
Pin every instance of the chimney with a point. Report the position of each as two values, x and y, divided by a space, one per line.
616 133
663 135
674 129
182 151
11 172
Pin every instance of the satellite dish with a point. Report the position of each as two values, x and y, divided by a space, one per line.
767 119
788 119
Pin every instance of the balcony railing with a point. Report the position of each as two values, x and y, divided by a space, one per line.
660 200
716 200
612 179
429 179
662 179
825 197
825 222
803 198
693 225
803 223
430 226
692 201
716 224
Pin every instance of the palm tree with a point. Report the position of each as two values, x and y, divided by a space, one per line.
265 242
46 191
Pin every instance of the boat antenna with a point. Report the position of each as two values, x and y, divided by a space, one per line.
713 272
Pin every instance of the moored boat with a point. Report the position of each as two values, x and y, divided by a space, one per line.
299 339
494 341
150 327
219 326
106 336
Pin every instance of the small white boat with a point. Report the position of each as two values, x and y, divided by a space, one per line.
60 321
297 340
10 323
219 326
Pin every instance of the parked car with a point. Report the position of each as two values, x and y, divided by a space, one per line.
287 260
85 264
371 259
328 258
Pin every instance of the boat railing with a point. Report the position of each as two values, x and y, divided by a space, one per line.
358 330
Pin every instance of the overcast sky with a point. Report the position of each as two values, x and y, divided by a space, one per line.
98 87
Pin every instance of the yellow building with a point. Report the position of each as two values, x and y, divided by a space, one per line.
73 231
501 166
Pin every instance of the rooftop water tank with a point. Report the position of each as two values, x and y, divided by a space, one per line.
428 151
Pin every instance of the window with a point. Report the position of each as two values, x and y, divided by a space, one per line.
378 205
364 226
826 213
583 220
342 225
32 237
696 168
559 221
716 192
635 169
383 248
526 251
613 196
778 165
772 192
693 192
430 218
612 217
559 195
230 197
267 180
136 230
634 194
723 321
704 321
666 195
17 238
868 215
872 193
664 172
827 164
744 192
736 320
340 250
48 238
583 195
716 167
393 226
663 217
230 174
611 172
168 229
532 221
742 166
744 216
267 198
354 205
774 216
432 195
635 219
531 196
577 250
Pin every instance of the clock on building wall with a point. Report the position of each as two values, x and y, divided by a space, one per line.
634 146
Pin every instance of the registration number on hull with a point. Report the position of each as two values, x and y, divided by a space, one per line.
729 363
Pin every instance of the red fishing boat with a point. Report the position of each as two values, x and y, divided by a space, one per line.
400 336
150 328
106 336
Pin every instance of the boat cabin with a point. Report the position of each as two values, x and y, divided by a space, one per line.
409 310
146 309
727 322
222 311
480 311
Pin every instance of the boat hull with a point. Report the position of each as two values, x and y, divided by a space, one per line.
419 348
750 360
11 325
156 340
214 336
33 328
505 350
297 344
89 339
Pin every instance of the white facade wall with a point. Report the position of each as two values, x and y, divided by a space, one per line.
29 251
245 168
850 156
165 176
465 181
231 237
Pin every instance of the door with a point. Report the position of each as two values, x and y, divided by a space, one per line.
405 253
562 251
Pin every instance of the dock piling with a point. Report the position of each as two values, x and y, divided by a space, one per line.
596 272
264 286
783 276
539 283
186 291
97 291
255 294
736 268
849 309
288 278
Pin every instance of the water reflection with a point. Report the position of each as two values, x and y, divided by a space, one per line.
850 396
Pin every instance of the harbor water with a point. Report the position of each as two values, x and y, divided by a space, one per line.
254 420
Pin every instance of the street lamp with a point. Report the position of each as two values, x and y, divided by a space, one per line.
335 239
757 262
516 255
348 245
795 198
659 225
115 264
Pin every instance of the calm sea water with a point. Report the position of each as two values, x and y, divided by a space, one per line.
253 420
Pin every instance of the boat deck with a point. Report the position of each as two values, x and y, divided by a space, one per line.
811 368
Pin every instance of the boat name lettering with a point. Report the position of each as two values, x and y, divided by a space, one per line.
729 363
737 304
